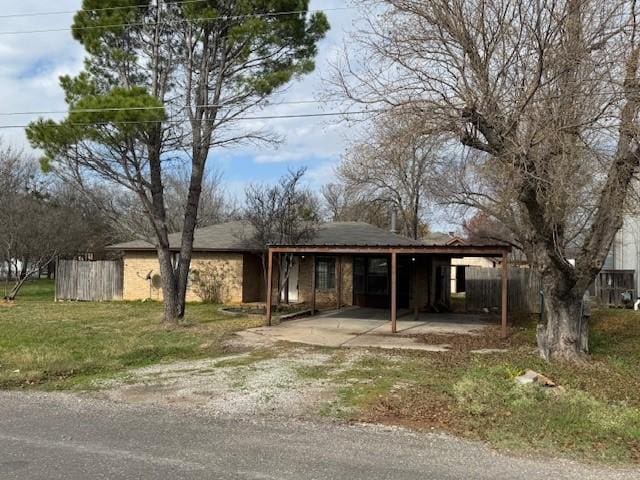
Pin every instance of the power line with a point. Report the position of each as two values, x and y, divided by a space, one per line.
102 9
201 19
258 117
120 109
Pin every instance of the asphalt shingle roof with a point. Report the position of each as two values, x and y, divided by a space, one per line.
228 236
357 234
234 236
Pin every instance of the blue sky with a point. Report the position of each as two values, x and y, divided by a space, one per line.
31 64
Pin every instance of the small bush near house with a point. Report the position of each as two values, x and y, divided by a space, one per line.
209 282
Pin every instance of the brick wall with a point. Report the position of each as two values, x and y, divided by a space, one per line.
137 265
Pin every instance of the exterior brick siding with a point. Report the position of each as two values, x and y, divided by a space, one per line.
137 265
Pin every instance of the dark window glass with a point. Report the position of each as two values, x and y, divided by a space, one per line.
325 273
359 275
377 283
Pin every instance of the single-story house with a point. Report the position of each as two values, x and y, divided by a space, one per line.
225 247
344 264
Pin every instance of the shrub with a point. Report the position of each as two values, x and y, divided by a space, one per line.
209 282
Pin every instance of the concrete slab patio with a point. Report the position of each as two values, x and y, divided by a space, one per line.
368 327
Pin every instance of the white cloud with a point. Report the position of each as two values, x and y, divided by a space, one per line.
310 138
30 66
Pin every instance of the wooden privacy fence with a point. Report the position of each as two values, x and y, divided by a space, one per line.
483 289
89 281
615 288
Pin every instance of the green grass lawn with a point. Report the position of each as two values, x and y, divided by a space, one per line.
68 344
595 416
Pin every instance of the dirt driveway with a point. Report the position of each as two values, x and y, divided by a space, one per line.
280 380
268 376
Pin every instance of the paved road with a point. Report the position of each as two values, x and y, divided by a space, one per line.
55 436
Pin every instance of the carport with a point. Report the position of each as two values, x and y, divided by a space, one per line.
412 255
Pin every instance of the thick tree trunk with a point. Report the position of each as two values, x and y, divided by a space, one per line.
169 286
564 333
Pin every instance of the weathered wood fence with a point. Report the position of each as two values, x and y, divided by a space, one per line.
483 289
89 281
615 288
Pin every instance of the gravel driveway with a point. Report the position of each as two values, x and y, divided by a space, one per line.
243 384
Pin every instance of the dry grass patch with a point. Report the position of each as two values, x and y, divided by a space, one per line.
595 417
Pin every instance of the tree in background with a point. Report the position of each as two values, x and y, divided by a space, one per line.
391 166
341 204
40 220
164 83
281 214
541 102
128 214
481 228
214 206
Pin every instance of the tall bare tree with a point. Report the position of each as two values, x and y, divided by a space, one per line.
342 204
390 165
214 206
542 98
282 214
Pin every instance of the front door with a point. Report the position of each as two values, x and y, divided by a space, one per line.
291 293
371 282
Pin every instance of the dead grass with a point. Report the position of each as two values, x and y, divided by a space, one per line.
596 417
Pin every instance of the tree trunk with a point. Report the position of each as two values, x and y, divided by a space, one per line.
188 229
564 336
169 286
23 269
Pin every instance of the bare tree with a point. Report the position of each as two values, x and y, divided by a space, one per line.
541 102
281 214
214 206
341 204
391 164
40 220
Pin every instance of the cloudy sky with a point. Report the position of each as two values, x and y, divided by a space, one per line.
30 65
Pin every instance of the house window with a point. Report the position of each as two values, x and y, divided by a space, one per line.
325 273
378 276
360 275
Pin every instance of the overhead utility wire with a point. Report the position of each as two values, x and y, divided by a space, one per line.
101 9
259 117
119 109
168 22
